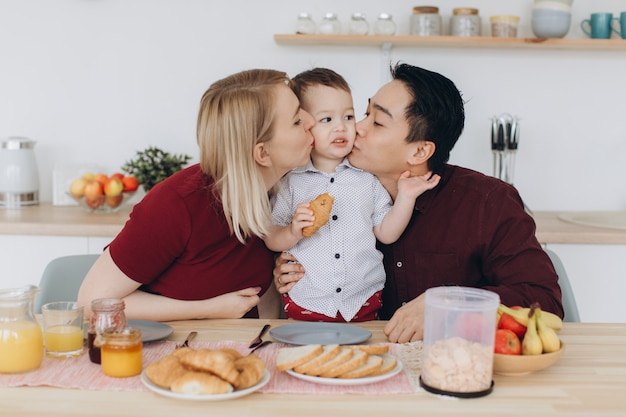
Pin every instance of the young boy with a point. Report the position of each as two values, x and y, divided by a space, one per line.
344 271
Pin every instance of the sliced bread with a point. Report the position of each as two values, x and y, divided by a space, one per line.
373 363
329 352
371 349
358 358
389 363
343 355
290 357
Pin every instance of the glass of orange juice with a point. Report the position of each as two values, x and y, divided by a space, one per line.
63 329
122 352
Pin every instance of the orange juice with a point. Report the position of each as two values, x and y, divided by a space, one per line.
121 353
64 339
21 346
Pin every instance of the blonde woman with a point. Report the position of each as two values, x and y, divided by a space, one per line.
193 246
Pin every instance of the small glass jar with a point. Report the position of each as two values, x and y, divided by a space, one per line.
504 26
106 313
465 22
305 24
358 24
426 21
330 25
384 25
122 351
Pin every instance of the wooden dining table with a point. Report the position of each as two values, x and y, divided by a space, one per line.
588 380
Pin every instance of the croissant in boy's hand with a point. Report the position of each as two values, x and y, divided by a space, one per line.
321 207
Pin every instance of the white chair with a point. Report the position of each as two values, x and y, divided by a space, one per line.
61 279
569 301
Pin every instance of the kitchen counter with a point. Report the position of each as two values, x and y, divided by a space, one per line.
46 219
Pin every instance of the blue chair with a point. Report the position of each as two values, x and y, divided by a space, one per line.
569 301
61 279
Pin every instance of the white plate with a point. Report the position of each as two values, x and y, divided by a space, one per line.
315 333
208 397
348 381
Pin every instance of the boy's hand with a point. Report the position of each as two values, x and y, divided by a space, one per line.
302 217
413 187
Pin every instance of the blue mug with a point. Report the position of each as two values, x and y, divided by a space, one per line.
600 25
622 24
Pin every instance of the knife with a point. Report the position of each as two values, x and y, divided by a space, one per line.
257 340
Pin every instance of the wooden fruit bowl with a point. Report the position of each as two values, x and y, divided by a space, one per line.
524 364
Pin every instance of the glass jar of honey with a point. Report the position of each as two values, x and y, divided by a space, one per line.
121 352
21 338
106 313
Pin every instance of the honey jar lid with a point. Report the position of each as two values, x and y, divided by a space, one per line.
464 10
425 9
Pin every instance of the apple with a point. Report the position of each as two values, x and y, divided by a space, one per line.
93 189
508 322
113 187
94 201
77 188
101 178
114 200
117 175
507 342
130 183
88 176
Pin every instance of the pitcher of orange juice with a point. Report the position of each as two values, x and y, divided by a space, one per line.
21 339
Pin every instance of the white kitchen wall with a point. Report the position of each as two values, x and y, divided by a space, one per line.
93 81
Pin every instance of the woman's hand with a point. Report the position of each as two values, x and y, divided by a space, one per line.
287 271
233 305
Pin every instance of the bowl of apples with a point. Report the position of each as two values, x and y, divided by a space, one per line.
526 340
101 193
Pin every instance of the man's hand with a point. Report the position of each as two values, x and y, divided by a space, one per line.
287 271
407 323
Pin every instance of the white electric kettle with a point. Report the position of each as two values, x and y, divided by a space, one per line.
19 177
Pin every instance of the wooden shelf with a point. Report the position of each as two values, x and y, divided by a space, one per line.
451 42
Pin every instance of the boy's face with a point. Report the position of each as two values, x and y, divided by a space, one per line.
335 128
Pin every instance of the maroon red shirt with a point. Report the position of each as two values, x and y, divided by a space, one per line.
177 243
471 230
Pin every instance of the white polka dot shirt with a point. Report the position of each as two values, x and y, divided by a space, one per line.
342 266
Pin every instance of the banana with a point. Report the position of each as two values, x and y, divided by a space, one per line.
550 319
521 316
532 345
549 339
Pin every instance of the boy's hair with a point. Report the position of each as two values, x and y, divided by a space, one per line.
318 76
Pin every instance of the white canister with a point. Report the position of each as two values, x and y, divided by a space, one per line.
426 21
19 176
465 22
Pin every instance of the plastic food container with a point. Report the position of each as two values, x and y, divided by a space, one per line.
459 333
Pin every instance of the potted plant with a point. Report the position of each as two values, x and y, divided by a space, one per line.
153 165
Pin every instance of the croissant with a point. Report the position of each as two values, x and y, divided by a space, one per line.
321 207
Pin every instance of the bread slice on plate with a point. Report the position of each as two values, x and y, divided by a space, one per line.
343 355
290 357
371 349
389 364
358 358
373 363
329 352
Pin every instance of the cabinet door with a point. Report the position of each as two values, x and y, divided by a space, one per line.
596 273
23 258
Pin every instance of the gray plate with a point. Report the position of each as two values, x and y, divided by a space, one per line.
151 331
320 333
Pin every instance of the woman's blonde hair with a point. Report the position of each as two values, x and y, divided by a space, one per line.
236 113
